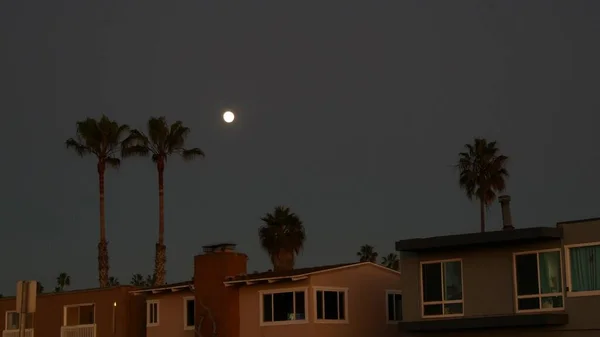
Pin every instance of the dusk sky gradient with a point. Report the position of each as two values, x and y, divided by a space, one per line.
350 112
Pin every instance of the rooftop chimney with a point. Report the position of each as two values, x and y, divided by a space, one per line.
507 223
219 248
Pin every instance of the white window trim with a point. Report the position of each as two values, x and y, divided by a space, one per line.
279 291
346 300
148 303
442 302
391 292
65 307
568 270
186 299
539 295
6 320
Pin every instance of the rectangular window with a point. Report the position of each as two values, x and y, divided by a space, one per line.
189 313
284 306
539 280
394 306
441 284
79 314
584 269
151 313
12 321
331 304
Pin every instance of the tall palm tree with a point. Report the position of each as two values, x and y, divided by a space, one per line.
391 261
282 236
62 281
137 280
367 254
162 141
101 138
482 173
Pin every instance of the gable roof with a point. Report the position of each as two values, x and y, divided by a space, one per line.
294 275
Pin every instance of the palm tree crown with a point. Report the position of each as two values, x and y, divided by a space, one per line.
367 254
482 173
62 281
282 236
391 261
161 141
103 139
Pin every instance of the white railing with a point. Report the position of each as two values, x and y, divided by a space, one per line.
15 333
88 330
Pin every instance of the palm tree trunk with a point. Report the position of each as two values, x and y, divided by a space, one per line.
160 259
103 244
482 214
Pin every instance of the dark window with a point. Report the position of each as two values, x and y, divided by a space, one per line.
152 313
190 308
284 306
539 281
394 307
442 288
331 304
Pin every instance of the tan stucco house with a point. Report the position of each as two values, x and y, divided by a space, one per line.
538 282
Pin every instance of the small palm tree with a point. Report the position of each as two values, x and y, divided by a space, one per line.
482 173
162 141
150 280
40 287
102 139
113 281
367 254
391 261
62 281
137 280
282 236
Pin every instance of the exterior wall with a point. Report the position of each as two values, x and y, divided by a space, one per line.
488 285
366 303
48 319
171 315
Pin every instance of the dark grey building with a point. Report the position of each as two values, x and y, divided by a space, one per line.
542 281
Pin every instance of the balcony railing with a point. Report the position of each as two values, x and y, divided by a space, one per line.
15 333
88 330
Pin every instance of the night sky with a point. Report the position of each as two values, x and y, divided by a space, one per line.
350 112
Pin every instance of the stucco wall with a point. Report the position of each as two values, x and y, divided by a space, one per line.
171 315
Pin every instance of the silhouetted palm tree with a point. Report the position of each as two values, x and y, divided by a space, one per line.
102 139
40 287
482 173
391 261
62 281
282 236
367 254
150 280
162 141
137 280
113 281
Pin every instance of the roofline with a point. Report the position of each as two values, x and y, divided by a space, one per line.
306 275
578 220
162 289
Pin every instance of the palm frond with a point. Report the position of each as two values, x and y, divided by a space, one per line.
113 162
79 148
190 154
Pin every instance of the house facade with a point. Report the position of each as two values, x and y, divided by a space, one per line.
542 281
84 313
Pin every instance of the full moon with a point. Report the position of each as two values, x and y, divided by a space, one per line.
228 116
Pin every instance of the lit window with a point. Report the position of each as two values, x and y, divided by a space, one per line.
584 269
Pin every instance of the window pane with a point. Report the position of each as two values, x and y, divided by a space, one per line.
552 302
585 268
267 308
398 307
342 305
300 306
86 314
331 304
283 306
550 275
527 277
319 304
390 307
453 308
433 309
190 308
453 281
432 282
13 321
529 303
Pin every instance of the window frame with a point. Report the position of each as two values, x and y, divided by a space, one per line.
65 307
261 294
8 312
567 263
148 304
442 302
516 296
387 293
346 319
186 326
